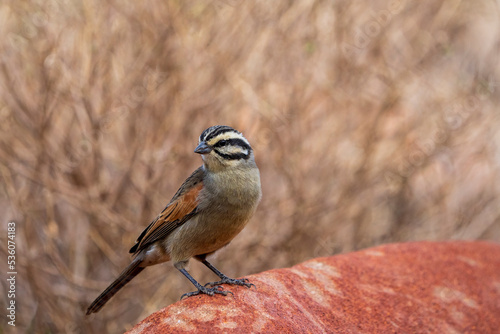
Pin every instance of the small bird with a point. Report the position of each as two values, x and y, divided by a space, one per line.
210 208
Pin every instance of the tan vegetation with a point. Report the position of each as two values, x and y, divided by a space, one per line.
372 122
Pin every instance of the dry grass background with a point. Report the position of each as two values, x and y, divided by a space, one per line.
372 122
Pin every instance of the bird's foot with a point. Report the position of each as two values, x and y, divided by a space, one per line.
216 290
232 281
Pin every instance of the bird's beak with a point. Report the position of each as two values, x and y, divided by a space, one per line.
203 148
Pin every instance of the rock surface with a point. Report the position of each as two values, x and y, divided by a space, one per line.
420 287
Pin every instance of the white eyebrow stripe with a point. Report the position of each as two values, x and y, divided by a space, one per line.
227 135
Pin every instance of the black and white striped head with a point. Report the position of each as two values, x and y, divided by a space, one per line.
223 145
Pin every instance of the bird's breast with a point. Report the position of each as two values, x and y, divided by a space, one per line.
225 205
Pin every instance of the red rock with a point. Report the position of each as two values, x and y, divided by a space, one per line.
420 287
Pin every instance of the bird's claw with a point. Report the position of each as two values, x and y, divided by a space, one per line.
232 281
215 290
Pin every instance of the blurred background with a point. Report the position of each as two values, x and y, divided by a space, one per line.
372 122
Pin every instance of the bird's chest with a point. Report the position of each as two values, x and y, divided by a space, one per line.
236 193
229 204
228 212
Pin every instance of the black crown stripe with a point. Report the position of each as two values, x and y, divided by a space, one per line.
215 131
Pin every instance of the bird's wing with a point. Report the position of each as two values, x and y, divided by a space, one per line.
181 208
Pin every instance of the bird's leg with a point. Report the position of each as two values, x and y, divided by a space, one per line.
201 289
223 278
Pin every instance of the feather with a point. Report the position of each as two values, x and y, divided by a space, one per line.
181 208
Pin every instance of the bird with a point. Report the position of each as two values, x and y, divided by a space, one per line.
210 208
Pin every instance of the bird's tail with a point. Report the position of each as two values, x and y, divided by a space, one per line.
126 276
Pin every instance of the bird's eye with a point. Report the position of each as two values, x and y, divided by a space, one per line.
222 143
